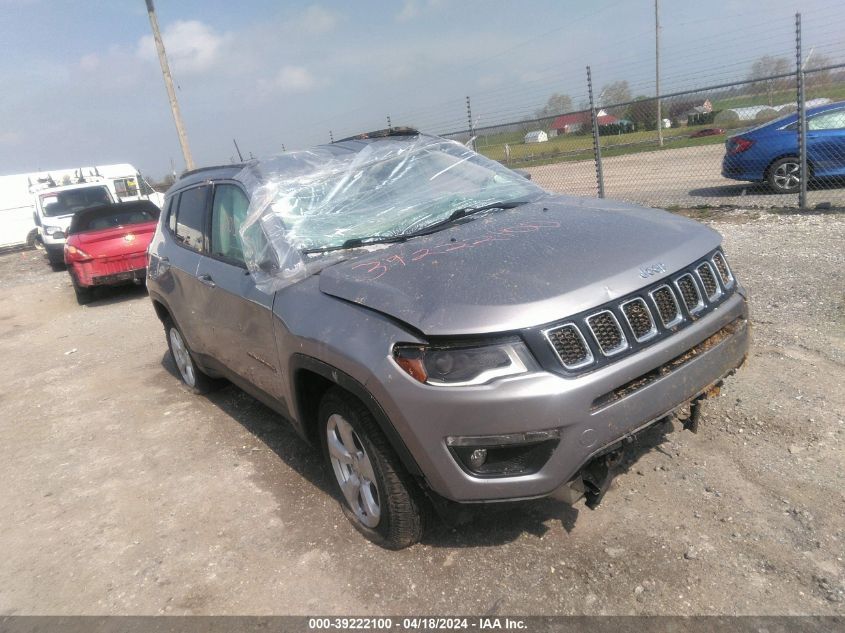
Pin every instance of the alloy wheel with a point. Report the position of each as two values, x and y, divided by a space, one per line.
787 176
182 357
353 470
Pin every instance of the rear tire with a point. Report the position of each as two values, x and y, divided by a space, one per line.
83 295
380 498
784 175
194 379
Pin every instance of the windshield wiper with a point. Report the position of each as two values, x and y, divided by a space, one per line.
463 212
457 214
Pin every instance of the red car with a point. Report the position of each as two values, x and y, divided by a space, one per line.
107 246
708 131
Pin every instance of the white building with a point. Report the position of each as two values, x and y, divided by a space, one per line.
537 136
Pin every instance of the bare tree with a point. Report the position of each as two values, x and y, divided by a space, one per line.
643 112
557 104
761 74
813 77
613 93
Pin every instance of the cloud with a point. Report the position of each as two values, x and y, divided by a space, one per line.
317 20
409 11
10 137
412 9
191 46
291 79
89 62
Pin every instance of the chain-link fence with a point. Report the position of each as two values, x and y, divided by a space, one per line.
737 143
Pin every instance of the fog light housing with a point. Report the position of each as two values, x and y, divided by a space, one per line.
477 458
506 455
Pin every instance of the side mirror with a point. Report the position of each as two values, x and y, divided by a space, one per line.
36 219
268 265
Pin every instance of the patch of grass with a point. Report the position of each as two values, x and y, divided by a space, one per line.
568 148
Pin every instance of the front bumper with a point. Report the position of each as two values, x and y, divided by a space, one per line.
580 408
55 251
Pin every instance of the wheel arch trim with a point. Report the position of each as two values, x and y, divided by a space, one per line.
335 376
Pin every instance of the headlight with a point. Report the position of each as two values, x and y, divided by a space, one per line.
457 366
49 230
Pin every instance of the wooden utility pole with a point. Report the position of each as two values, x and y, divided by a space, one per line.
168 82
657 73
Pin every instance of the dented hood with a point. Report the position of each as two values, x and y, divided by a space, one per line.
521 267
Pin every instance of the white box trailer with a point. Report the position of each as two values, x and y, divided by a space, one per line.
17 204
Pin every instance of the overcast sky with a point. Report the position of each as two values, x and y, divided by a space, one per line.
82 85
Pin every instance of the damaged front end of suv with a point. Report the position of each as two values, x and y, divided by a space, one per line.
446 330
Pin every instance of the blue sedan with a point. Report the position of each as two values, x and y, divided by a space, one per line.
769 153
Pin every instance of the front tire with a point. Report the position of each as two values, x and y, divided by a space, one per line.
194 379
379 497
785 175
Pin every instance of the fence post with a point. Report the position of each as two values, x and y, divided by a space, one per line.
802 117
596 145
471 130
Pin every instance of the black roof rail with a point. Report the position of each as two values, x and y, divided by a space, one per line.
391 131
198 170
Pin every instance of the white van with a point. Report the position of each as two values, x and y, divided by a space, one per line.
55 208
18 191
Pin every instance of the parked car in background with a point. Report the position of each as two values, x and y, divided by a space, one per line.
18 195
444 329
769 153
708 131
107 246
55 208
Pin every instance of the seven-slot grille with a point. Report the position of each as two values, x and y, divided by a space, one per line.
724 272
653 313
570 346
689 292
639 319
667 306
607 333
708 280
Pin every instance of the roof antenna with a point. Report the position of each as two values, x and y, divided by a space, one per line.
238 150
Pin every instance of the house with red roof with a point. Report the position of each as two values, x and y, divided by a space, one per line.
577 121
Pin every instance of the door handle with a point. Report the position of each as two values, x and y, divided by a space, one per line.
207 281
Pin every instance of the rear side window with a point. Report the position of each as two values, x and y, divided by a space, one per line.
832 120
190 217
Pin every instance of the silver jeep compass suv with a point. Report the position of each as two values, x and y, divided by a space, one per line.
445 330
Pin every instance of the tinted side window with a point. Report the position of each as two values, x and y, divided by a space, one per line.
227 214
190 217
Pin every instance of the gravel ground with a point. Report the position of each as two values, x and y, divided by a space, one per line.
123 494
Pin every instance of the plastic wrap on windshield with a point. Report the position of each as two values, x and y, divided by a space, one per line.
308 207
